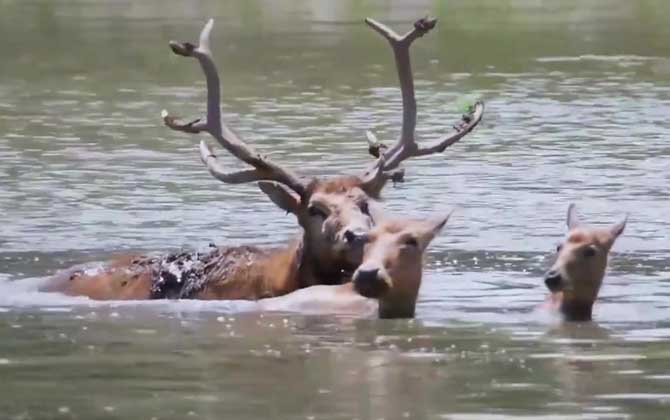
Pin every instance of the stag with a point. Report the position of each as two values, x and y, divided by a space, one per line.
387 281
335 214
577 274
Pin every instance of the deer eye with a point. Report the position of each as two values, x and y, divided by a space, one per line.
589 252
316 211
365 208
410 242
559 247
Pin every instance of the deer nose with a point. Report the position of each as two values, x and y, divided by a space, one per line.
352 236
369 282
366 275
553 280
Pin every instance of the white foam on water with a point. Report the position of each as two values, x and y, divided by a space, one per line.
596 57
25 294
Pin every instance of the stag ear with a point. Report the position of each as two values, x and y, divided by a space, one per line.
281 196
573 219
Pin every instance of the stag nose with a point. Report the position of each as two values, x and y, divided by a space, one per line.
353 236
553 280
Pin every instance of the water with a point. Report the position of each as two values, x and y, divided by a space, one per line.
577 100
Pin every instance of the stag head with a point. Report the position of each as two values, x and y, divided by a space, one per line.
335 215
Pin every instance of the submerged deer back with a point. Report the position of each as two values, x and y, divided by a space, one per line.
242 272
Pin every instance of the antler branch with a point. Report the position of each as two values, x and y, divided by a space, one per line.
468 122
264 168
406 145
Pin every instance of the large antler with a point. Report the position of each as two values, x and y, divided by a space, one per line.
406 146
264 168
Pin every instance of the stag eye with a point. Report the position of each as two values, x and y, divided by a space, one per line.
317 212
365 208
589 252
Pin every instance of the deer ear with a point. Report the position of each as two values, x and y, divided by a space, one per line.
433 228
573 219
281 196
617 229
439 222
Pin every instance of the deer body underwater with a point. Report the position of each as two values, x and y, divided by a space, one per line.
329 250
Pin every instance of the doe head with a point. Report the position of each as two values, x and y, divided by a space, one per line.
392 264
581 260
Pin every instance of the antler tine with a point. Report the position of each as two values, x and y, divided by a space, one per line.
406 145
400 46
375 147
216 169
264 168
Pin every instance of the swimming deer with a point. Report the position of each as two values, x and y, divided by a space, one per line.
386 282
577 274
334 214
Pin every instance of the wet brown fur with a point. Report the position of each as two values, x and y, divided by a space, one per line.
124 277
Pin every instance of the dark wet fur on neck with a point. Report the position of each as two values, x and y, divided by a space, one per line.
577 311
332 278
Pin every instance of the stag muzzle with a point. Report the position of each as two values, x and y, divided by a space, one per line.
351 240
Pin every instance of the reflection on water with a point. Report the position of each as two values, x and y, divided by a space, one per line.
577 100
171 360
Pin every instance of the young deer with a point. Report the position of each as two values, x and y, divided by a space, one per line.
577 274
335 214
387 281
